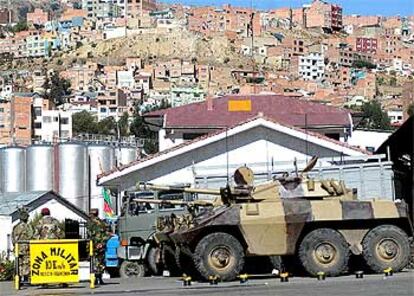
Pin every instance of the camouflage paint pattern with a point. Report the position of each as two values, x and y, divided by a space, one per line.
23 232
270 217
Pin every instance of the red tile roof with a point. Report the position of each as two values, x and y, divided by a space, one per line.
283 109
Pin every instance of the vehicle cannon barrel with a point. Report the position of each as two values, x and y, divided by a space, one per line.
200 203
151 187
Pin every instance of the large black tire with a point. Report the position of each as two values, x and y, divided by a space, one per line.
154 260
168 260
132 269
386 246
184 261
219 254
324 250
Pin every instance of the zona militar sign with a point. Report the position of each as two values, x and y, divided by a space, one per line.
54 261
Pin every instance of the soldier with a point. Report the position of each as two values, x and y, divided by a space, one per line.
48 227
98 233
21 232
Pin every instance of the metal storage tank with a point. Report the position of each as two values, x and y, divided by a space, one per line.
73 174
12 169
126 155
39 168
101 159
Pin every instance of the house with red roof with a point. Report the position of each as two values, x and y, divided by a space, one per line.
180 124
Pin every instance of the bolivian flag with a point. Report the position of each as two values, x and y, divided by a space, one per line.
109 213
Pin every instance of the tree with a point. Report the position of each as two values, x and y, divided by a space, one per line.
84 122
20 26
107 126
410 109
123 125
374 116
363 64
141 130
56 89
393 81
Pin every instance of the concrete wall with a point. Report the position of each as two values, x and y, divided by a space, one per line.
370 140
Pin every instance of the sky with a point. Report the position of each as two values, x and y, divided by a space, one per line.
363 7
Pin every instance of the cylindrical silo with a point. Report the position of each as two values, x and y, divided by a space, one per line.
12 166
73 174
39 168
126 155
101 159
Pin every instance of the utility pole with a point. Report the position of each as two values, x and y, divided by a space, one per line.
12 121
9 12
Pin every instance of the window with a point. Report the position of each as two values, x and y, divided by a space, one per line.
64 120
191 136
47 119
1 110
37 125
38 111
56 119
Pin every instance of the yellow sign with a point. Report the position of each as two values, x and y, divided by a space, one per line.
240 105
54 261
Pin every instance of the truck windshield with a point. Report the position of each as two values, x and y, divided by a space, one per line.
134 208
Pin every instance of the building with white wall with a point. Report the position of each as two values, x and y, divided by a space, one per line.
50 125
312 66
256 141
125 79
59 208
368 139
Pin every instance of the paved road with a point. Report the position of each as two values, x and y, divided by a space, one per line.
372 285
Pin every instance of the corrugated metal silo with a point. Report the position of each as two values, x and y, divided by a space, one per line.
13 166
73 174
101 159
126 155
39 168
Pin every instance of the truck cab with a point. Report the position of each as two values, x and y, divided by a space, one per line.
138 252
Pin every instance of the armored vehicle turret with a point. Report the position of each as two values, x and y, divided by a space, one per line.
320 221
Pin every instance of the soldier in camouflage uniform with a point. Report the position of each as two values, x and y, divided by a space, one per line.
21 232
99 234
48 227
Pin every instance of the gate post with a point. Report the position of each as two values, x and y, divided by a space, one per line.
16 267
92 266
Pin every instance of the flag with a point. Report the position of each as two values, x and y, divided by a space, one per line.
109 213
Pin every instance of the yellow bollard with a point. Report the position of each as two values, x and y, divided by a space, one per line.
284 277
243 278
388 272
16 264
92 269
321 276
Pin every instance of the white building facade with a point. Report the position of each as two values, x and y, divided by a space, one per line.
50 125
312 66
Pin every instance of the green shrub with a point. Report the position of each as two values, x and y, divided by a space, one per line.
6 268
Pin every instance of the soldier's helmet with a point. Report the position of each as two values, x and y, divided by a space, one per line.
23 213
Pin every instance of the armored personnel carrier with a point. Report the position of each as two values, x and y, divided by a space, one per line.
319 221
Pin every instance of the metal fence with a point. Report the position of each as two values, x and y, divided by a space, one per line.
372 176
